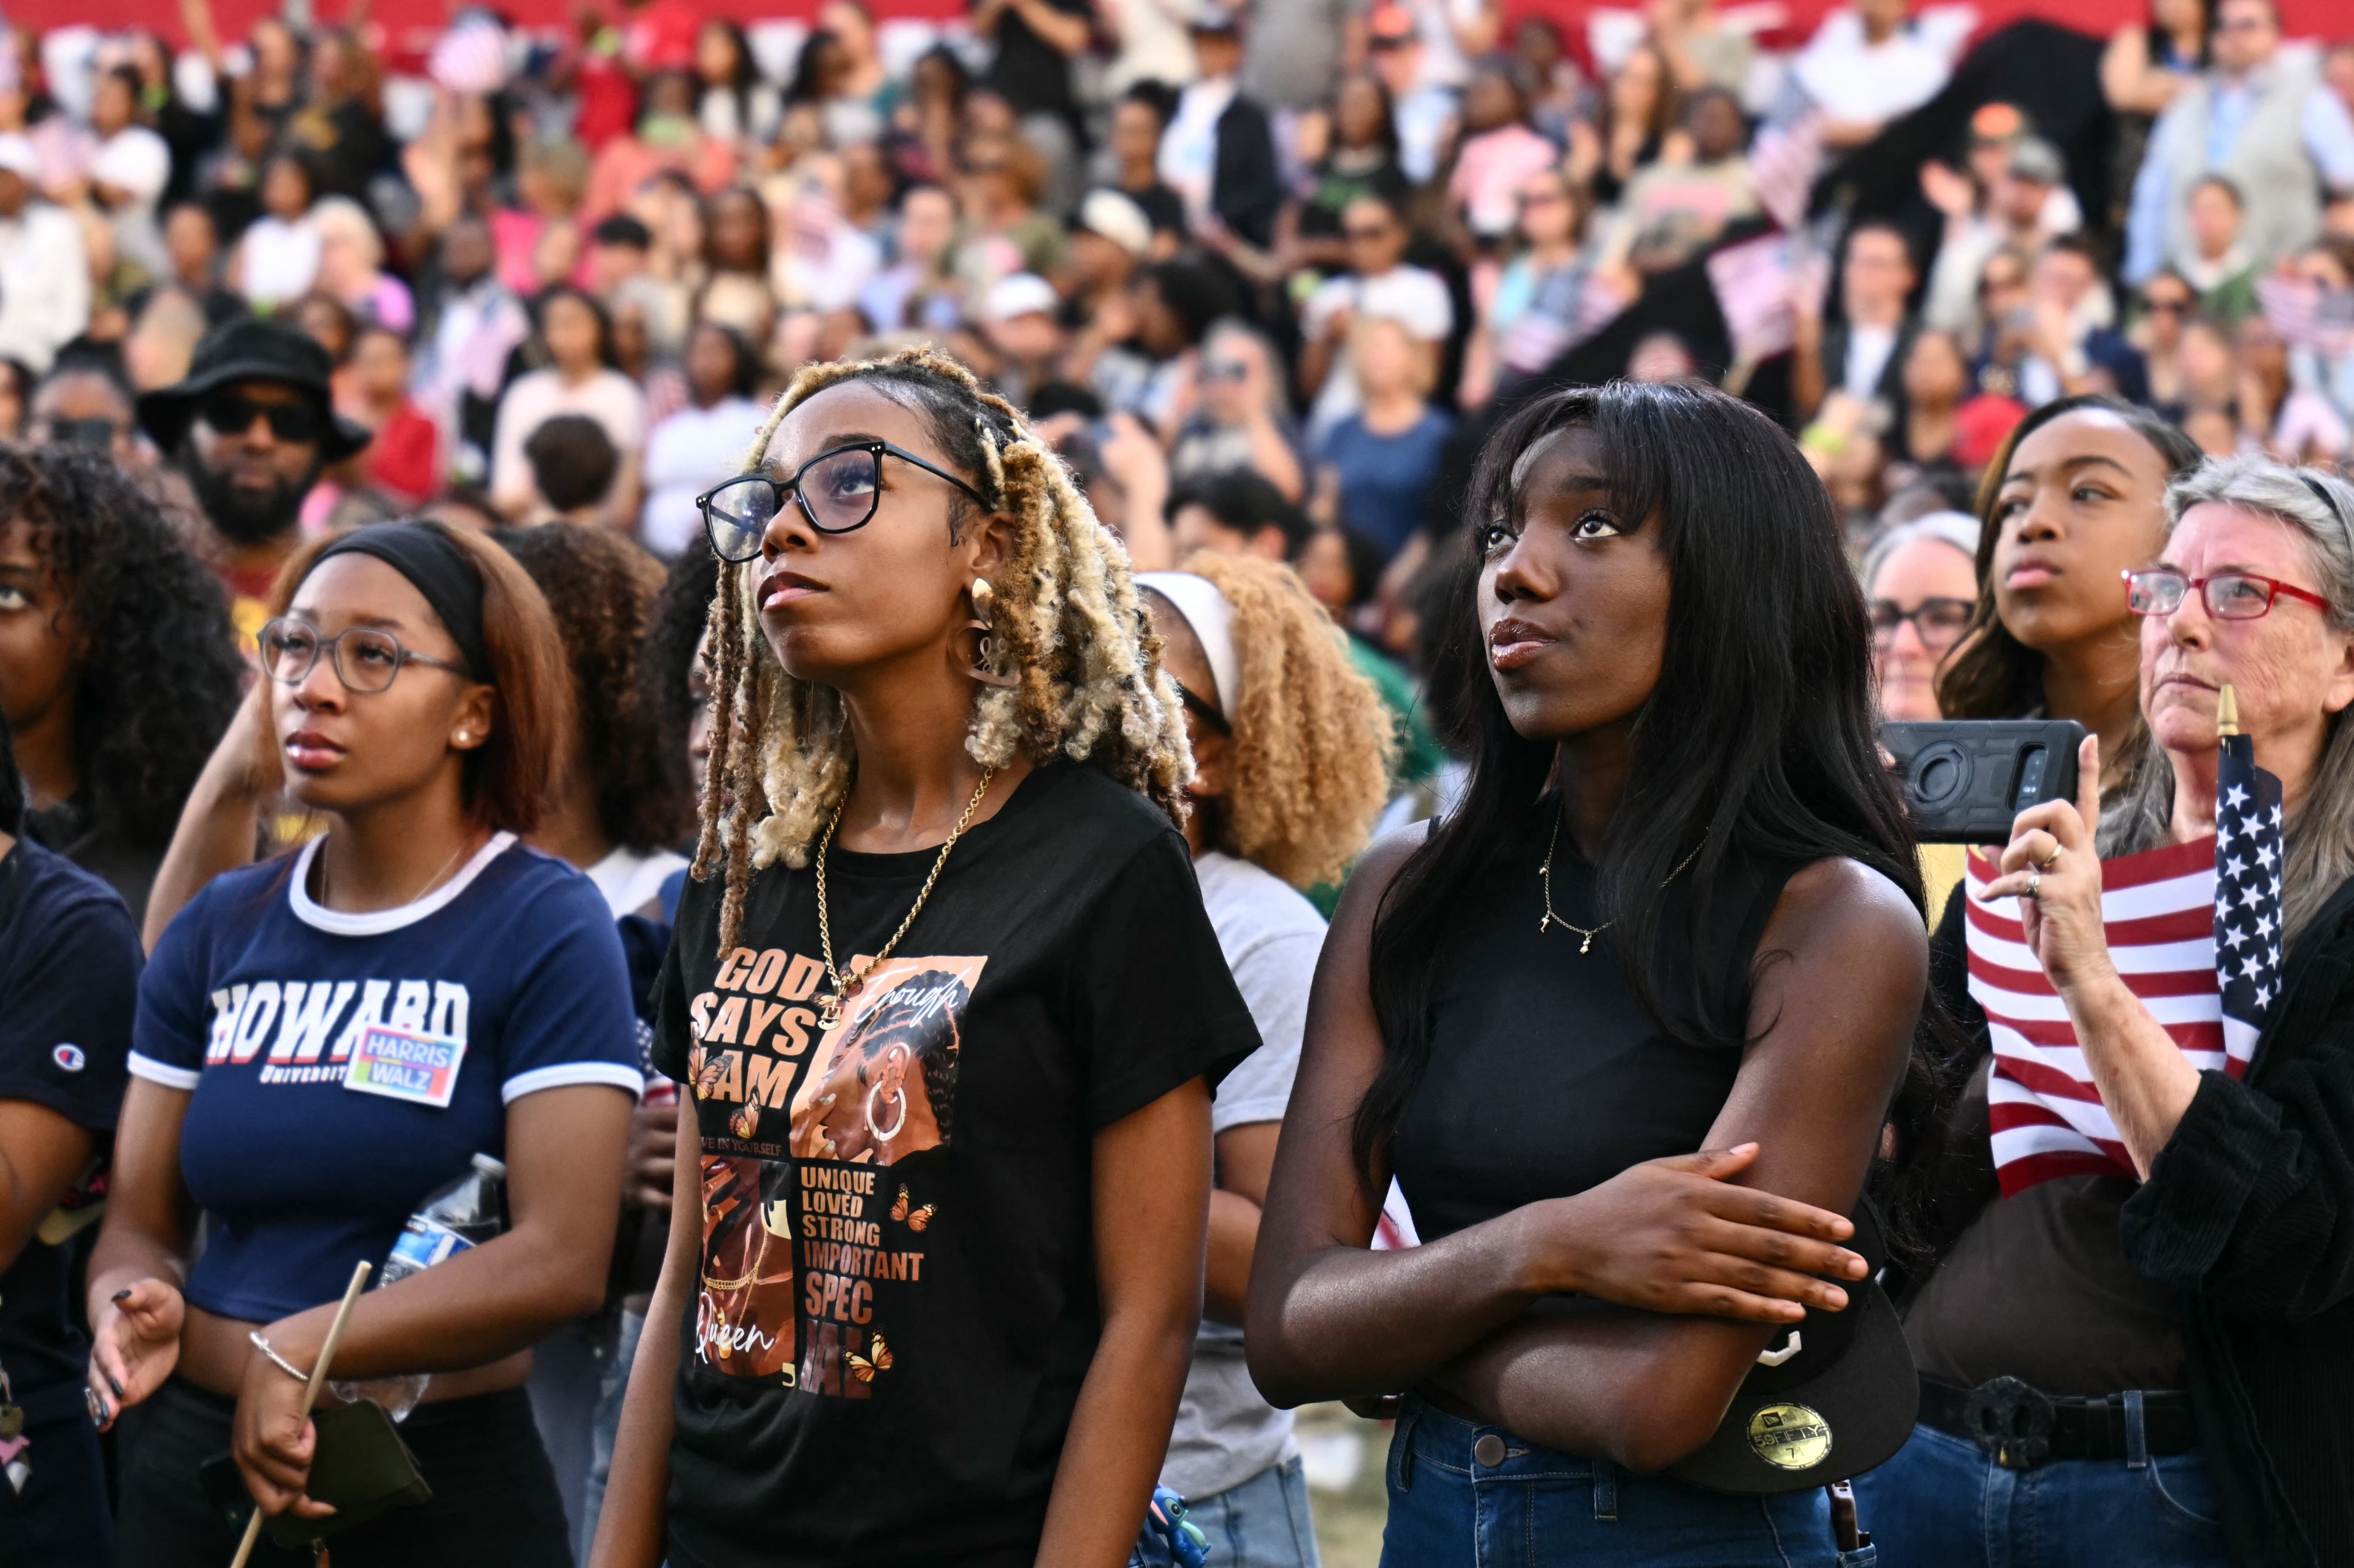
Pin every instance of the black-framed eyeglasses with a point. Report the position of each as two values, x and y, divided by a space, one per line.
1201 707
1935 621
2230 595
365 657
232 413
837 491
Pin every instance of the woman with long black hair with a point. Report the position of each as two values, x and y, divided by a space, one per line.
1624 1026
325 1040
949 1010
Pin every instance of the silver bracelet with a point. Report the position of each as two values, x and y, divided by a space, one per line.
280 1362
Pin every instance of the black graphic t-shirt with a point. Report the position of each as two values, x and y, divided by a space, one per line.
896 1298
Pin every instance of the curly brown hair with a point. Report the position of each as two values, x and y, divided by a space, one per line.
156 667
602 589
1312 741
1089 682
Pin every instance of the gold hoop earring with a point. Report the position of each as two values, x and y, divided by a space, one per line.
984 659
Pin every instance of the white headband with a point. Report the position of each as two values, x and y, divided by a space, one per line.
1205 609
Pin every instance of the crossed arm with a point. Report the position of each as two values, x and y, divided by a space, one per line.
1709 1251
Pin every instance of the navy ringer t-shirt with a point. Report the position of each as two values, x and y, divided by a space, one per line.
343 1066
68 965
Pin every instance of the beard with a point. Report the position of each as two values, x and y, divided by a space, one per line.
242 514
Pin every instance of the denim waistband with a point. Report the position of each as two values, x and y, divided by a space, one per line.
1427 1435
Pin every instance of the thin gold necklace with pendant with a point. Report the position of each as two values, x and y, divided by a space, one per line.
829 1006
1544 873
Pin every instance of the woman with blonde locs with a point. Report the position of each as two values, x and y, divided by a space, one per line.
946 772
1290 744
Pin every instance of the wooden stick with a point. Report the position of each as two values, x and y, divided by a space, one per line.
310 1392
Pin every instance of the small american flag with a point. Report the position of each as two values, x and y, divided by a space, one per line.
2248 855
2194 930
2160 914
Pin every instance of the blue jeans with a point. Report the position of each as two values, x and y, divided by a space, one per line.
1943 1503
1539 1506
604 1426
1262 1522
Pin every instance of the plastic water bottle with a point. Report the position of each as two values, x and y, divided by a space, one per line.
457 1217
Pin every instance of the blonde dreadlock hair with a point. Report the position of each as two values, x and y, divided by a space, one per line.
1065 620
1312 740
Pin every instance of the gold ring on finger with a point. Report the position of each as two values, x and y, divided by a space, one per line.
2047 863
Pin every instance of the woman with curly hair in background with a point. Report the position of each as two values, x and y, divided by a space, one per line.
617 810
1290 750
943 749
116 671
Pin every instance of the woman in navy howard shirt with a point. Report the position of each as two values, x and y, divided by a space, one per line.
417 695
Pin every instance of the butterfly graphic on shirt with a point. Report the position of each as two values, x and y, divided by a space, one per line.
747 1119
863 1368
706 1082
914 1220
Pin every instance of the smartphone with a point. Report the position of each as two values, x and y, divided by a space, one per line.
1965 779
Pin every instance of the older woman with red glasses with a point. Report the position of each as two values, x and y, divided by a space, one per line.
2141 1348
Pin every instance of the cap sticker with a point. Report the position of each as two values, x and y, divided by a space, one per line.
1790 1436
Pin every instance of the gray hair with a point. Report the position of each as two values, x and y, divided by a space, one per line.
1958 529
2319 507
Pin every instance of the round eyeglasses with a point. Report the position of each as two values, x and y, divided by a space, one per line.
1936 621
365 659
837 491
2230 595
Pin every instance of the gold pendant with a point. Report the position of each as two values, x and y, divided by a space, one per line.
829 1011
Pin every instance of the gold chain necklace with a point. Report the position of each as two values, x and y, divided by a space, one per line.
830 1007
1544 872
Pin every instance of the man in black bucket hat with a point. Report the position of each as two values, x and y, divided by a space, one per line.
251 427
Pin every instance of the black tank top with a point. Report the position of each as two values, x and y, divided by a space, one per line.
1546 1074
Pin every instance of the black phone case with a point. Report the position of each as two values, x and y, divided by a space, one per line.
1965 779
360 1465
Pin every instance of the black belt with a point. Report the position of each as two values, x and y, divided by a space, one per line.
2021 1426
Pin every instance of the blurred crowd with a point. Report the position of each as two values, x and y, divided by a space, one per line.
1319 246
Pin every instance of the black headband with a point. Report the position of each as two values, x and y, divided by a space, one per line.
425 555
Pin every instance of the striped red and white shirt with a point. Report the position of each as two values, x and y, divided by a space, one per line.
2159 911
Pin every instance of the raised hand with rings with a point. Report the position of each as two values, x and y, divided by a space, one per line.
2060 893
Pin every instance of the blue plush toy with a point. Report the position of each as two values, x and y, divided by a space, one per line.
1187 1544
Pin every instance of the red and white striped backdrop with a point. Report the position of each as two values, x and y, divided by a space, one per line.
2046 1117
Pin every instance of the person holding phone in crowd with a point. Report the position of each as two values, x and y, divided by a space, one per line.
1291 747
948 1009
2131 1348
414 694
1570 1020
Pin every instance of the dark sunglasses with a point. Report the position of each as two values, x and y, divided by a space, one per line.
1380 231
837 491
2166 307
233 414
95 435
